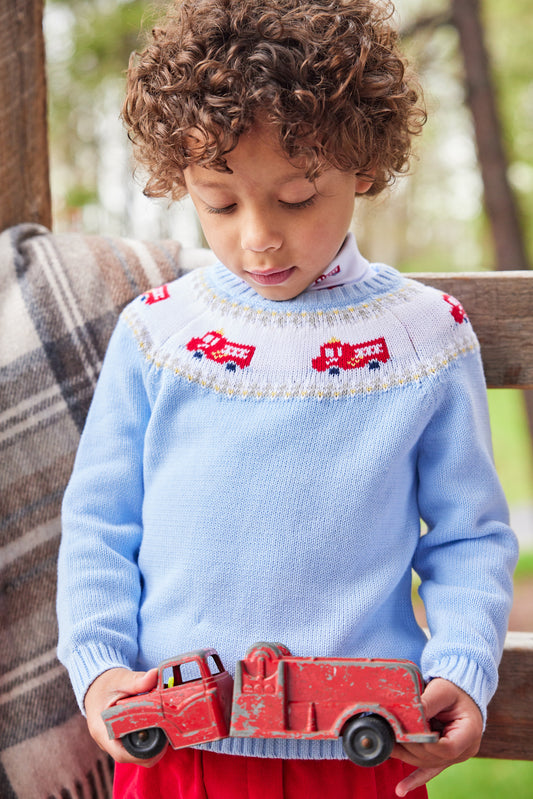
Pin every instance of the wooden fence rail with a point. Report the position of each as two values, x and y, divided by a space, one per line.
509 732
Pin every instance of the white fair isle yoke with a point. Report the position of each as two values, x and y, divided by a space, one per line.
257 470
243 337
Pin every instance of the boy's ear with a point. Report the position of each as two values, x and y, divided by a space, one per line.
363 183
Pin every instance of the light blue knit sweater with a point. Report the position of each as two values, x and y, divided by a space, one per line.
253 470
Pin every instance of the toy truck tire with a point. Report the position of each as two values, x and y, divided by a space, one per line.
144 744
368 740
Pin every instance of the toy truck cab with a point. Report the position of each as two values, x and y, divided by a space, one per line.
191 704
369 703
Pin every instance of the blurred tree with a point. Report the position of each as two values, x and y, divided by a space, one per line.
501 206
24 183
504 217
88 48
481 47
508 31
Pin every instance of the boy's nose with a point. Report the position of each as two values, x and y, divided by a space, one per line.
260 234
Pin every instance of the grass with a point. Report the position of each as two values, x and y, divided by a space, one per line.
524 568
489 779
513 452
513 455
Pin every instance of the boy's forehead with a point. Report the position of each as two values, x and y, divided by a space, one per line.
257 151
208 178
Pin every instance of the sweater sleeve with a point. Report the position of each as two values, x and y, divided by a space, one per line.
467 557
98 579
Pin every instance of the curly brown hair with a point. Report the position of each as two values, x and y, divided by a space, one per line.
327 74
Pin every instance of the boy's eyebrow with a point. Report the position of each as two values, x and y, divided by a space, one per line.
206 183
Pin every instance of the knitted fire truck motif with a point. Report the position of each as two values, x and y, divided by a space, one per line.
214 346
457 310
249 349
337 355
156 295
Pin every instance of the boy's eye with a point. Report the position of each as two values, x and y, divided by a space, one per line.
227 209
301 204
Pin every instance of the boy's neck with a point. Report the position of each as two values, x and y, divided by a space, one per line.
348 266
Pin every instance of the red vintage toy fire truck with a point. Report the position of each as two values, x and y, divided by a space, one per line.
217 348
337 355
370 703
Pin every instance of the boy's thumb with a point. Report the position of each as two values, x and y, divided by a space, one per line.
143 681
439 696
131 683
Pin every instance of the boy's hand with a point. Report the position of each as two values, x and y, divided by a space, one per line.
103 693
462 725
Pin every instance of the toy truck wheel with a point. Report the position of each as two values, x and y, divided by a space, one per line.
144 743
368 740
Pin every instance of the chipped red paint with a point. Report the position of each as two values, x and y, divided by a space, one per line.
189 712
277 695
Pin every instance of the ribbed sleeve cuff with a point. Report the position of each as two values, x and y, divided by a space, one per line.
86 664
466 675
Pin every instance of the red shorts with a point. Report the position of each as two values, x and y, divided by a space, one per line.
195 774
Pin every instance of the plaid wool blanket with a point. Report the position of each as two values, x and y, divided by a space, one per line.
60 296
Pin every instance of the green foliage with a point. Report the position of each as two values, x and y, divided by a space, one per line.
101 36
524 569
512 445
104 34
489 779
79 196
508 31
88 46
445 194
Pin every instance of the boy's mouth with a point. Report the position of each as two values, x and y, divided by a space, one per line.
271 278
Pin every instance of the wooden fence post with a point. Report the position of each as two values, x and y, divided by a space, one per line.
24 175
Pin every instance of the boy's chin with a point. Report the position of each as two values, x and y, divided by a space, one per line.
276 293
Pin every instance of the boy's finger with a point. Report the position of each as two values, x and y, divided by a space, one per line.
416 779
121 683
439 695
143 681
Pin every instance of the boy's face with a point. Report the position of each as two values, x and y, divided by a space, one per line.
266 222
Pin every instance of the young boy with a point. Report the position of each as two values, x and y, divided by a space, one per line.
265 438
